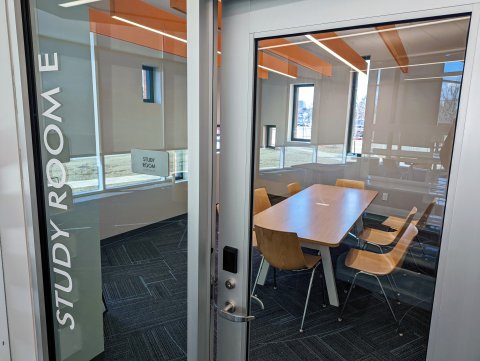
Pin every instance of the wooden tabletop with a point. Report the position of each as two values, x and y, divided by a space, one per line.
319 214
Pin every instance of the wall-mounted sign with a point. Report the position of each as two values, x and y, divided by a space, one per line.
152 162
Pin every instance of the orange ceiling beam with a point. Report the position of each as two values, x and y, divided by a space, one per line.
298 55
279 65
343 49
219 19
262 73
180 5
148 15
394 44
103 24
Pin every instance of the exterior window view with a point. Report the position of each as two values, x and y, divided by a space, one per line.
233 180
350 213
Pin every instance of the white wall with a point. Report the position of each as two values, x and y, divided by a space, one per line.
126 120
124 210
330 110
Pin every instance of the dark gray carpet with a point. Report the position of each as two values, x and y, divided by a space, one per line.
367 332
144 285
145 290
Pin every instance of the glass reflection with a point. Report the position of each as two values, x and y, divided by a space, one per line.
383 115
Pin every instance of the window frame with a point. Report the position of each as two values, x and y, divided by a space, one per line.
150 83
353 95
294 112
268 128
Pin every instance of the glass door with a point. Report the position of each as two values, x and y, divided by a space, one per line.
4 342
115 172
334 185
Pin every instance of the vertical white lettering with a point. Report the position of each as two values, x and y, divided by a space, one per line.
56 129
55 105
56 258
57 182
67 288
48 66
55 201
59 300
63 320
58 232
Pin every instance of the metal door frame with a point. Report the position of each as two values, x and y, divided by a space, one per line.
246 21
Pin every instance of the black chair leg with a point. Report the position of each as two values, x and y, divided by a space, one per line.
274 278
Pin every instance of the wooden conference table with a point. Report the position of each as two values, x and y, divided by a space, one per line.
321 216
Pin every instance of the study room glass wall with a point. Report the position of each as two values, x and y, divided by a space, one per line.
108 88
354 137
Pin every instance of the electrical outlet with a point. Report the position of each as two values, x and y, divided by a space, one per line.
384 196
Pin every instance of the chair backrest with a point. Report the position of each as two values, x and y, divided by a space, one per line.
350 183
422 222
406 222
397 254
282 250
294 188
260 200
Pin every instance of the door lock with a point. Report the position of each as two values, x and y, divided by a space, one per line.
230 283
227 312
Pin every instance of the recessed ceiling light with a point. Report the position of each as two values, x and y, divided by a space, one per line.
370 32
77 3
149 29
277 72
330 51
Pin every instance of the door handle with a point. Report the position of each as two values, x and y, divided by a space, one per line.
228 312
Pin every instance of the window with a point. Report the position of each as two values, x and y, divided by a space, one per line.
148 84
357 110
302 112
271 133
450 93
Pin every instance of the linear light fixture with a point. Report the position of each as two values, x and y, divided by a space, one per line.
435 77
422 64
149 29
77 3
330 51
400 27
278 72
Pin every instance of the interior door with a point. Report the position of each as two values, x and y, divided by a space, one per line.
122 135
4 343
247 27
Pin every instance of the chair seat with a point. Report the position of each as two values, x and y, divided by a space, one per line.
311 260
375 263
377 236
396 222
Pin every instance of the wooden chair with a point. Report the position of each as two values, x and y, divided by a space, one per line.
379 238
293 188
282 250
261 201
254 244
376 264
397 222
350 183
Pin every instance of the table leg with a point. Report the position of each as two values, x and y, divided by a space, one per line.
329 275
263 273
359 225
